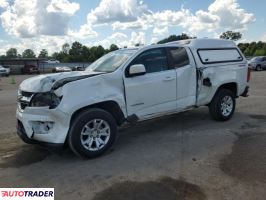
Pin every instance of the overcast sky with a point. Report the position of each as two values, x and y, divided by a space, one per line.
48 24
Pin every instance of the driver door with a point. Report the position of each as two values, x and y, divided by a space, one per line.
153 93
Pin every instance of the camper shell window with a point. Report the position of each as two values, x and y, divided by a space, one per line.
211 56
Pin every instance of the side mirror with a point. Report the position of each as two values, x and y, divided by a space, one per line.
137 70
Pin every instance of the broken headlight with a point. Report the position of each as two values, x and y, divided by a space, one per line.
48 99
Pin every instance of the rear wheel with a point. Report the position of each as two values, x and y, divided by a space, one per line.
92 133
222 106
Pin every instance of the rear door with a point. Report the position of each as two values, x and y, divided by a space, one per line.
182 61
153 93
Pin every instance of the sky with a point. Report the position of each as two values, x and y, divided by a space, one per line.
48 24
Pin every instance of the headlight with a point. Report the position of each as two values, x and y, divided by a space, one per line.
45 99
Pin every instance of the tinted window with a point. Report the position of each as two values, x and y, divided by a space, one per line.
154 60
209 56
178 57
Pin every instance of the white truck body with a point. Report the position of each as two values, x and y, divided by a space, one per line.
209 64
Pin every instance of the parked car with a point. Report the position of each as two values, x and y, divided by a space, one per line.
78 68
257 63
30 69
52 61
62 69
4 71
85 109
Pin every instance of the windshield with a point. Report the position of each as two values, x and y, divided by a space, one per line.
111 61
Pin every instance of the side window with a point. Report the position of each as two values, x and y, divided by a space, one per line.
178 57
211 56
154 60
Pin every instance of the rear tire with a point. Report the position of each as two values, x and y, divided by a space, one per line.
223 105
92 133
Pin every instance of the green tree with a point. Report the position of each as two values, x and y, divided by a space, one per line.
62 57
86 54
231 35
243 46
66 48
251 49
173 38
54 55
12 53
28 53
260 52
96 52
43 54
76 52
113 47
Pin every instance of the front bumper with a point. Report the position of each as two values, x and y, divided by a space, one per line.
22 134
32 125
4 73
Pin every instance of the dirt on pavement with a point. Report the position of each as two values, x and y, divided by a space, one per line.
163 189
247 161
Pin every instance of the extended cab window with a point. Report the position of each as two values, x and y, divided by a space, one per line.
209 56
154 60
178 57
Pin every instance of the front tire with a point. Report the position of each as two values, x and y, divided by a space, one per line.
92 133
223 105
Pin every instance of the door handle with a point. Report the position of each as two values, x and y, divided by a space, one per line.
169 79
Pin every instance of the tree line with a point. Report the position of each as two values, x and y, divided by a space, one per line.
69 53
77 52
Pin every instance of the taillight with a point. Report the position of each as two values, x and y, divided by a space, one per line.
249 75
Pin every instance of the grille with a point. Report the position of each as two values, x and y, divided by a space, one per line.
23 104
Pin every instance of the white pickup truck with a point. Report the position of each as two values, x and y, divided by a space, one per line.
84 109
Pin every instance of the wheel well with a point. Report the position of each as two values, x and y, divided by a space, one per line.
110 106
229 86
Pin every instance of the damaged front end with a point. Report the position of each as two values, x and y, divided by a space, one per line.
40 118
46 99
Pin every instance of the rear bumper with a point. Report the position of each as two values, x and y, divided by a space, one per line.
245 93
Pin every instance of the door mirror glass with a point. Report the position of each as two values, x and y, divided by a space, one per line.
137 70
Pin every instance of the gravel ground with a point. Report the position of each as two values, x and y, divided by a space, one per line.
183 156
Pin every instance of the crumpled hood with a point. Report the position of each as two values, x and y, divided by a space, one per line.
45 83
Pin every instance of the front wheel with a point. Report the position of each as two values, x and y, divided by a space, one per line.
223 105
92 133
